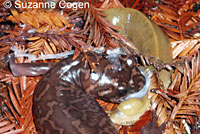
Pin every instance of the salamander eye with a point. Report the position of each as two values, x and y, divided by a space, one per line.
122 92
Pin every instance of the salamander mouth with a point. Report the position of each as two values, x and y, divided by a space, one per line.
147 73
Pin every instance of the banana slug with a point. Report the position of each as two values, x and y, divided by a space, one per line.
64 99
129 111
142 32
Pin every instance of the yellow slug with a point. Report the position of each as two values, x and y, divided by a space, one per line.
129 111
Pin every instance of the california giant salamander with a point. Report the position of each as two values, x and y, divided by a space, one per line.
64 99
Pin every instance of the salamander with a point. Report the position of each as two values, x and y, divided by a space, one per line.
64 100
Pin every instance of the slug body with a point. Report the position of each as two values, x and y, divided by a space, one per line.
144 34
130 111
64 100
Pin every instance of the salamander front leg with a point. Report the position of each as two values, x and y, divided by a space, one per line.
28 69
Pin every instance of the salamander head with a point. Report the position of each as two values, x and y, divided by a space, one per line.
117 77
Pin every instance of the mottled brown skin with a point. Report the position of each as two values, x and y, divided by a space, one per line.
64 100
65 109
